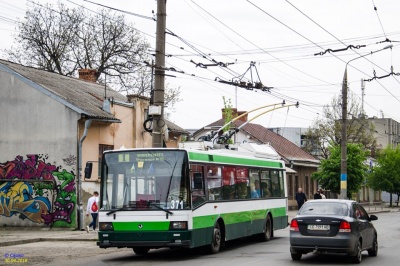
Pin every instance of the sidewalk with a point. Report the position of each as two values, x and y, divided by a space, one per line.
17 236
10 236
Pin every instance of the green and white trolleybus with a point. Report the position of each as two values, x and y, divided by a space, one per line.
186 197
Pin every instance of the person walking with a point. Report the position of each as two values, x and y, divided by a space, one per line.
300 197
321 192
93 209
317 195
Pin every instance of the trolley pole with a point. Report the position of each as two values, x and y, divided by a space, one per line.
157 109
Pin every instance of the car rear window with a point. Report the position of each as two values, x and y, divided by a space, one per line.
324 208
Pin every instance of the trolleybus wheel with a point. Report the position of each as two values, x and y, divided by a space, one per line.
216 239
141 250
266 235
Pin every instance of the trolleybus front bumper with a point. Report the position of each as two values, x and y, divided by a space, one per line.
147 239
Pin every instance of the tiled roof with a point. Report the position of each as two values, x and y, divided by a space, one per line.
283 146
83 96
175 128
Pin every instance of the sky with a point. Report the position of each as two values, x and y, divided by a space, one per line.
274 42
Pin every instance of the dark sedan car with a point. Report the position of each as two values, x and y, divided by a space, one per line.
333 226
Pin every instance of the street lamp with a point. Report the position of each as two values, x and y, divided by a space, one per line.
343 143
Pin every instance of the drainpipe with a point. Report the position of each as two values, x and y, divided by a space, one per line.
80 204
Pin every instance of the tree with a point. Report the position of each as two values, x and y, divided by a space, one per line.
228 115
328 176
327 128
227 112
62 40
385 175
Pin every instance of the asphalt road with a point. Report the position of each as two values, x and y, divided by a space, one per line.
240 252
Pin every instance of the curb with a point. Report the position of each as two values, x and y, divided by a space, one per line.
34 240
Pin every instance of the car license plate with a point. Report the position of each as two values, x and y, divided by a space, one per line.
318 227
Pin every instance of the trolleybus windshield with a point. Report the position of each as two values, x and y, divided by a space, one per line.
145 180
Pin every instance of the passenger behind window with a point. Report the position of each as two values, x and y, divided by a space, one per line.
255 193
265 190
243 192
275 190
229 192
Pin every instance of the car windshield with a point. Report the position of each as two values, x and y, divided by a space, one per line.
324 208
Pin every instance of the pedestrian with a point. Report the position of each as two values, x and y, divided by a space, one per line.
300 197
317 195
93 209
322 194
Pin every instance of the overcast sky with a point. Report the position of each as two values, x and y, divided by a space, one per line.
281 37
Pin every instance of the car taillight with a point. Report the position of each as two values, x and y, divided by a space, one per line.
344 227
294 226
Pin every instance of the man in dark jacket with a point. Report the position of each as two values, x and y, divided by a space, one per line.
300 197
317 195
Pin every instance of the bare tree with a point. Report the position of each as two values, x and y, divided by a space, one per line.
326 130
62 40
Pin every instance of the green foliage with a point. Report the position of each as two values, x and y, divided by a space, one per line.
386 175
328 176
228 114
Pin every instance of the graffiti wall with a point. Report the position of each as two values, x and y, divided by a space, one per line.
34 190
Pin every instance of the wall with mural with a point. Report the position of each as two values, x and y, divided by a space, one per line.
34 191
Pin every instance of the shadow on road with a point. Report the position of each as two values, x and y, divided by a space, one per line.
179 254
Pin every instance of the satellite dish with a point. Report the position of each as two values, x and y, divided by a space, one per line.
165 132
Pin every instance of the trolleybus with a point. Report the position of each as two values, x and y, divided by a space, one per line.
184 197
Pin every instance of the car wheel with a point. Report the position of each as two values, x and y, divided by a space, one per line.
266 236
216 239
374 250
141 250
358 253
296 256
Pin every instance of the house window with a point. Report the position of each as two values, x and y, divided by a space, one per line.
102 149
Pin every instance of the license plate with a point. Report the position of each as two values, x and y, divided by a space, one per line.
318 227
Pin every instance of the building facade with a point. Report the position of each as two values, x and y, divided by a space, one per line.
52 126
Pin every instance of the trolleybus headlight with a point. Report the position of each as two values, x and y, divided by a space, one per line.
106 227
178 226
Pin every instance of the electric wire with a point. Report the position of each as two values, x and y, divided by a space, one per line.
377 15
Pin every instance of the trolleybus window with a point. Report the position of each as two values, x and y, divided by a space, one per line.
214 183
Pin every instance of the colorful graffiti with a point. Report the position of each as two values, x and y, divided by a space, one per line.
36 190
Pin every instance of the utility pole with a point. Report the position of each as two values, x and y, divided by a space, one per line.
157 109
343 142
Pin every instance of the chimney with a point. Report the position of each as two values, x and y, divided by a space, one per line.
235 113
87 74
243 118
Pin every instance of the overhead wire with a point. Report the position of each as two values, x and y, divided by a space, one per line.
377 15
344 44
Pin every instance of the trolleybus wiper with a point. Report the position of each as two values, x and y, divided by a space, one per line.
125 208
149 203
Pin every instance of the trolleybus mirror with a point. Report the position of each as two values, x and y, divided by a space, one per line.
88 169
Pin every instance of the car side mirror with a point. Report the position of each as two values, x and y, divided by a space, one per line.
373 217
